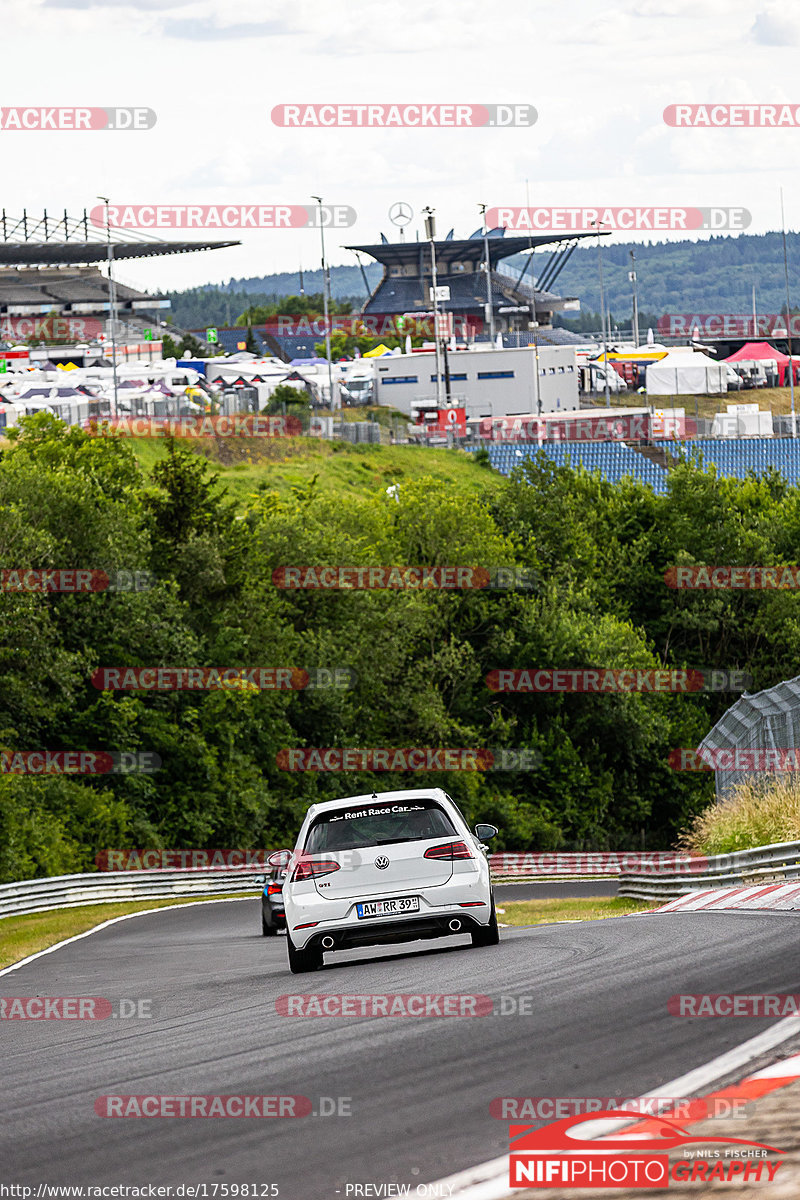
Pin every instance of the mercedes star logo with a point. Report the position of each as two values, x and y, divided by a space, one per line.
401 214
381 862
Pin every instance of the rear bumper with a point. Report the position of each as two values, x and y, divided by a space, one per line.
272 916
310 917
409 929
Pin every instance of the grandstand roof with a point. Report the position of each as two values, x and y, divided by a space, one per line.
59 253
470 249
32 240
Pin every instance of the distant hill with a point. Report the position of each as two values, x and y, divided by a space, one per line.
702 277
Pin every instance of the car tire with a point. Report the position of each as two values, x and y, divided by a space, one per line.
267 929
487 935
302 961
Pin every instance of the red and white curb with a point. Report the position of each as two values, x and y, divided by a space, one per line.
489 1180
780 897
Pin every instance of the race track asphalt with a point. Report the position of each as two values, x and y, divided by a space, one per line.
419 1089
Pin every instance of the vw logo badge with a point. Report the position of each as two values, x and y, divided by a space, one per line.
382 862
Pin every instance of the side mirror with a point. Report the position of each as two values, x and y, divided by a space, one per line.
259 880
279 858
484 832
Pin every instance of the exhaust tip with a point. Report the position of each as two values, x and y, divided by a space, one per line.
327 943
455 924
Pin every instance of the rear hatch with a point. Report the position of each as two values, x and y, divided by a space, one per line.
379 849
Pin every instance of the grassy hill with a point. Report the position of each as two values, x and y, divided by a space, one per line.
294 465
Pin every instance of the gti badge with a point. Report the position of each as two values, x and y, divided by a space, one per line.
382 862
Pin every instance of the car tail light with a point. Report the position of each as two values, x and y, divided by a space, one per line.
308 925
449 850
312 870
274 889
472 904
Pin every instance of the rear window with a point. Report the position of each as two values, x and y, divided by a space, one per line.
378 825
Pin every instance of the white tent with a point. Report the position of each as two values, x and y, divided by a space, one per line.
682 374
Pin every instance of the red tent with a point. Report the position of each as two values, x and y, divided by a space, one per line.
752 351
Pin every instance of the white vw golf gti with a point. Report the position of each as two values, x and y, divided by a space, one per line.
389 867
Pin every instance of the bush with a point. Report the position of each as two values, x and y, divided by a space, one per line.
758 813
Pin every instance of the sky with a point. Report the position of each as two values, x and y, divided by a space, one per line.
599 78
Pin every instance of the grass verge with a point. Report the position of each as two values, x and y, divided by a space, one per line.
25 935
593 908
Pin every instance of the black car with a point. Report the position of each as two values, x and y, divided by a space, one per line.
273 916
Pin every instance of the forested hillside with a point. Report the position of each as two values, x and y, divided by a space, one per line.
713 276
598 551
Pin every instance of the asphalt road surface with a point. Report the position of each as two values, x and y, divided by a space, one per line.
418 1089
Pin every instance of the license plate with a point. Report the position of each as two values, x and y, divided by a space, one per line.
388 908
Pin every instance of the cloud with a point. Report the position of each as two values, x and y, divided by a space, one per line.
151 5
776 27
203 29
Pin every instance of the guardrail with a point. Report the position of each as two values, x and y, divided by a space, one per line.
105 887
764 864
508 865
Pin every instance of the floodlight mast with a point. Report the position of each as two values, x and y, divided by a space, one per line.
430 233
112 304
325 300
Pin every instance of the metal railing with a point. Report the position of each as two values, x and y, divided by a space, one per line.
510 865
675 876
778 863
106 887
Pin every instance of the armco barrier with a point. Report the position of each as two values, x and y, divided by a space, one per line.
588 864
104 887
764 864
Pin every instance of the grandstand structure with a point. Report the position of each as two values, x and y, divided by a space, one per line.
461 265
51 285
650 464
